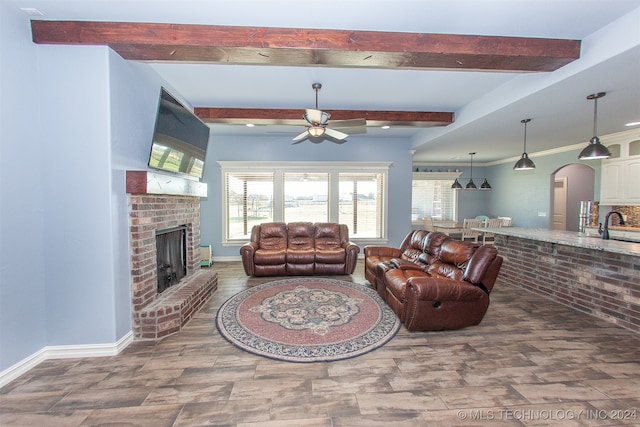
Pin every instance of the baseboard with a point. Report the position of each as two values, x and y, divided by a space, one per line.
63 352
226 259
239 258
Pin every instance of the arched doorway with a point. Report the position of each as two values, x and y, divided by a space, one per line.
569 185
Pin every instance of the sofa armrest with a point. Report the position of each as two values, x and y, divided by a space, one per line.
441 289
382 251
247 251
352 250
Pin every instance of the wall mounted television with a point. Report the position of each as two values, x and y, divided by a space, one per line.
180 139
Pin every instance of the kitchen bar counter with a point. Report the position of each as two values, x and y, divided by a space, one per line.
586 273
569 238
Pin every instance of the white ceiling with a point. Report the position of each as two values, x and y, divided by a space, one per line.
488 105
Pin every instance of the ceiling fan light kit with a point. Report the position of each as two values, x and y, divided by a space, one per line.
318 121
525 163
595 150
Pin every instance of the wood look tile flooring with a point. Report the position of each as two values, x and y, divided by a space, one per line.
530 362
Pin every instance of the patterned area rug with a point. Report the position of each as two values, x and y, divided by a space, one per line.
307 319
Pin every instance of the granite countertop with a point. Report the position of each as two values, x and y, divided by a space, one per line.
569 238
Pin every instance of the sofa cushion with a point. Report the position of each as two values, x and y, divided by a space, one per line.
273 236
327 236
431 246
457 252
444 270
413 251
300 236
396 281
269 257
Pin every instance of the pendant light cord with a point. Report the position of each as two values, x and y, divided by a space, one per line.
595 116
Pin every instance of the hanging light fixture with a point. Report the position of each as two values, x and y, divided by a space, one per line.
471 185
595 149
525 163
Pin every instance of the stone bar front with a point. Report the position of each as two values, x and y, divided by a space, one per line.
601 278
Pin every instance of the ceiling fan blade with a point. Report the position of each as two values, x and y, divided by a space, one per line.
336 134
351 123
301 136
316 117
352 131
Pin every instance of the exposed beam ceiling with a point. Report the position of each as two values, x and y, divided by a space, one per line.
293 117
311 47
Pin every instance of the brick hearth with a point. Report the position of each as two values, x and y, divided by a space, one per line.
158 315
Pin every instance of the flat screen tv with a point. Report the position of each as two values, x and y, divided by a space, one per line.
180 139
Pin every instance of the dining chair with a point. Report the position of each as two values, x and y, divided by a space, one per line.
506 221
491 223
482 217
467 232
428 223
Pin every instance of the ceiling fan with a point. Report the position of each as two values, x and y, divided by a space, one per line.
318 128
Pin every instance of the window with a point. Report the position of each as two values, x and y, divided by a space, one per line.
360 203
432 196
306 197
249 201
349 193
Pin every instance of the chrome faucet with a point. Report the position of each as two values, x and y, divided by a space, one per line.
605 231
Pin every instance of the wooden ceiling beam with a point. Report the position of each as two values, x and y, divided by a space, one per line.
311 47
293 117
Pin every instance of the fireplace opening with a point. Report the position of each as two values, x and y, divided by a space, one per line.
171 249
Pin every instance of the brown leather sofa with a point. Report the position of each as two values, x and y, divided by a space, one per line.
299 249
434 282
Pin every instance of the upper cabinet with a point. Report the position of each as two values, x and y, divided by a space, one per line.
619 182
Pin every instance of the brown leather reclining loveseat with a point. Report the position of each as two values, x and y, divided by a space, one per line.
432 281
299 248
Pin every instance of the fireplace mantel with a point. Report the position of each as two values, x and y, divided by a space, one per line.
145 182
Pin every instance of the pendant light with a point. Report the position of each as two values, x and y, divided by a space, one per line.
595 149
525 163
471 185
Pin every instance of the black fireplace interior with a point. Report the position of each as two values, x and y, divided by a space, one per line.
171 249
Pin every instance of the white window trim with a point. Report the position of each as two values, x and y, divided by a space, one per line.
333 168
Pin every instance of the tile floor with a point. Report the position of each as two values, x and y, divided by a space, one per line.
530 362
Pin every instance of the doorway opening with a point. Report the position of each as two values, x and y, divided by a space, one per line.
570 185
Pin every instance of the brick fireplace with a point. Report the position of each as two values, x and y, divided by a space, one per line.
154 207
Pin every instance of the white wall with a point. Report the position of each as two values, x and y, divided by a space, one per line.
134 94
73 119
22 252
522 195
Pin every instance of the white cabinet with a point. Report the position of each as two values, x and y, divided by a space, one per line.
611 190
620 177
632 185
